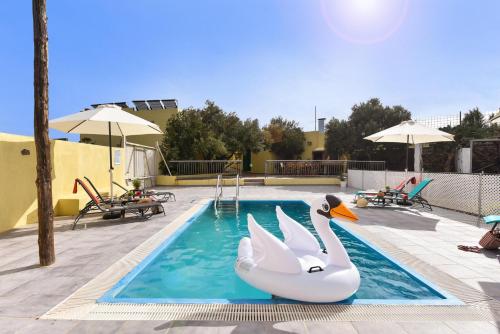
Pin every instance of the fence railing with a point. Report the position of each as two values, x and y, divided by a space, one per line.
205 167
476 194
318 167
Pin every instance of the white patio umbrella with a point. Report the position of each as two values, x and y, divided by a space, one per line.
495 119
410 132
106 119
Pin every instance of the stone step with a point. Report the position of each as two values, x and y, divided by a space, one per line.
254 182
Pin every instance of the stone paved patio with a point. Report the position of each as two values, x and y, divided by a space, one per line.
27 291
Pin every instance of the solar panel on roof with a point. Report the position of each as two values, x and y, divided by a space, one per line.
155 104
171 103
141 105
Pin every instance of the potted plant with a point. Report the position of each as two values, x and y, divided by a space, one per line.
343 182
136 183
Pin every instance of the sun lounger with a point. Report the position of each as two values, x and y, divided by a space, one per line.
160 195
415 196
392 192
95 204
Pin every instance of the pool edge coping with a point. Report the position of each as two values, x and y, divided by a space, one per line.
445 298
82 305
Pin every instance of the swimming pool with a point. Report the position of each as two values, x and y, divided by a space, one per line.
195 265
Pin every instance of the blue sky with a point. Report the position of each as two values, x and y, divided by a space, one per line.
259 58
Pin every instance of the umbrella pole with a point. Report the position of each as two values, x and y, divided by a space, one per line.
407 146
110 163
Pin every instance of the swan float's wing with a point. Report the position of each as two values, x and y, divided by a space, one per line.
297 237
269 252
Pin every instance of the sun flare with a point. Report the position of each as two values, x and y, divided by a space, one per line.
364 7
364 21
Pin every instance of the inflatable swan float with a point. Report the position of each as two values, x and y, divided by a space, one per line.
298 268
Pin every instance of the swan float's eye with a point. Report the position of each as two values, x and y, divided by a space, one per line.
325 207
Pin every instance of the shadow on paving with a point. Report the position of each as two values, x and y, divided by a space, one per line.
492 289
239 327
17 270
401 219
82 224
492 254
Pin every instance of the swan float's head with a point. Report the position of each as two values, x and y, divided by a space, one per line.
331 206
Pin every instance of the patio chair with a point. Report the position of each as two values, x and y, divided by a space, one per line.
415 196
121 200
160 195
392 192
96 205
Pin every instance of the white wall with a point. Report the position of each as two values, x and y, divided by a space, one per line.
471 193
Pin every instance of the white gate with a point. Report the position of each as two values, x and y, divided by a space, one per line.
141 163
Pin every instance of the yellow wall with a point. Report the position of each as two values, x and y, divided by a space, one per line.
69 160
14 138
270 181
299 181
259 161
163 180
314 140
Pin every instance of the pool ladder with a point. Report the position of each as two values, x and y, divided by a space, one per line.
219 203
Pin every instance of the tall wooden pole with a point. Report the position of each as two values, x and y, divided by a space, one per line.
43 161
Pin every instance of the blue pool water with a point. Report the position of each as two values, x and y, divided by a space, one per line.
198 262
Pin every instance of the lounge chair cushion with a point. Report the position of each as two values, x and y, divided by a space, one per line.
492 219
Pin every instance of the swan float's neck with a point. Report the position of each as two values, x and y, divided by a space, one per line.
337 255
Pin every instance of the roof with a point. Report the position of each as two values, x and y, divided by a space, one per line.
144 104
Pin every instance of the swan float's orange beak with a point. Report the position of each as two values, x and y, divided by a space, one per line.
342 212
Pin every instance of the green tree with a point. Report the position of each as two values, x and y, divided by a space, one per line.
209 133
186 137
346 137
472 126
285 137
338 138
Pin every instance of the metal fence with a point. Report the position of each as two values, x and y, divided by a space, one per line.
477 194
205 167
318 167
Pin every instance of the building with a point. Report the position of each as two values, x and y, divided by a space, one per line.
160 111
155 111
314 149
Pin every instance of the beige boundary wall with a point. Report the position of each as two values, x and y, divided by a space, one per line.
163 180
301 181
18 198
